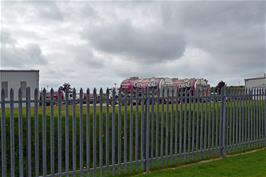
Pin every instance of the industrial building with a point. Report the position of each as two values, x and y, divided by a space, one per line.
256 82
16 79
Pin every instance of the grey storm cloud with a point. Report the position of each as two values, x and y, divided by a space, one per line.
6 38
85 56
146 45
214 15
37 10
13 56
216 40
22 57
231 31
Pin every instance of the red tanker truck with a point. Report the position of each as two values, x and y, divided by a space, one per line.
131 85
136 86
128 85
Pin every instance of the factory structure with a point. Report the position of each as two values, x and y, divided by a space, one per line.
16 79
256 82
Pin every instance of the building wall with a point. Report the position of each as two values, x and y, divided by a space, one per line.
14 78
255 83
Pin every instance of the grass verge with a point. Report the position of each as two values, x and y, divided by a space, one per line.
244 165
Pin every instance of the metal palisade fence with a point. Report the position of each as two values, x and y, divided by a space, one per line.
111 134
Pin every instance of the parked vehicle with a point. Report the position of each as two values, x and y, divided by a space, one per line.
166 86
91 98
56 97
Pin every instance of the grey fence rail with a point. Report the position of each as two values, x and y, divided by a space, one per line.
110 134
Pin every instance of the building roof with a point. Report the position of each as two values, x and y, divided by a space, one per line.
18 70
255 78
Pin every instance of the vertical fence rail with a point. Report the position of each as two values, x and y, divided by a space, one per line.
52 160
125 132
137 129
176 123
197 103
142 129
59 138
107 132
157 129
36 134
20 133
146 131
264 117
81 131
249 118
185 126
205 126
171 127
113 131
222 124
240 119
94 133
260 118
152 129
88 139
201 126
230 100
209 124
131 132
256 118
212 100
44 162
28 117
167 126
193 124
100 133
74 130
12 136
180 124
189 122
162 126
118 132
3 134
244 118
147 128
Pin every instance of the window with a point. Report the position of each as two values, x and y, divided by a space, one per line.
23 86
5 87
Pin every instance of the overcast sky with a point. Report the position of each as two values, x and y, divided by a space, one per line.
93 44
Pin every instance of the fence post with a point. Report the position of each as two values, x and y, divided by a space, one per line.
3 133
264 117
52 151
225 121
146 131
20 133
28 117
222 122
44 160
12 136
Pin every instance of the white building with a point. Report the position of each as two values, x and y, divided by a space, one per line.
257 82
16 79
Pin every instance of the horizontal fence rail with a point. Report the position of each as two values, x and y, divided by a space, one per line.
109 133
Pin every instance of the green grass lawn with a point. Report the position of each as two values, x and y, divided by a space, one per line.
245 165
